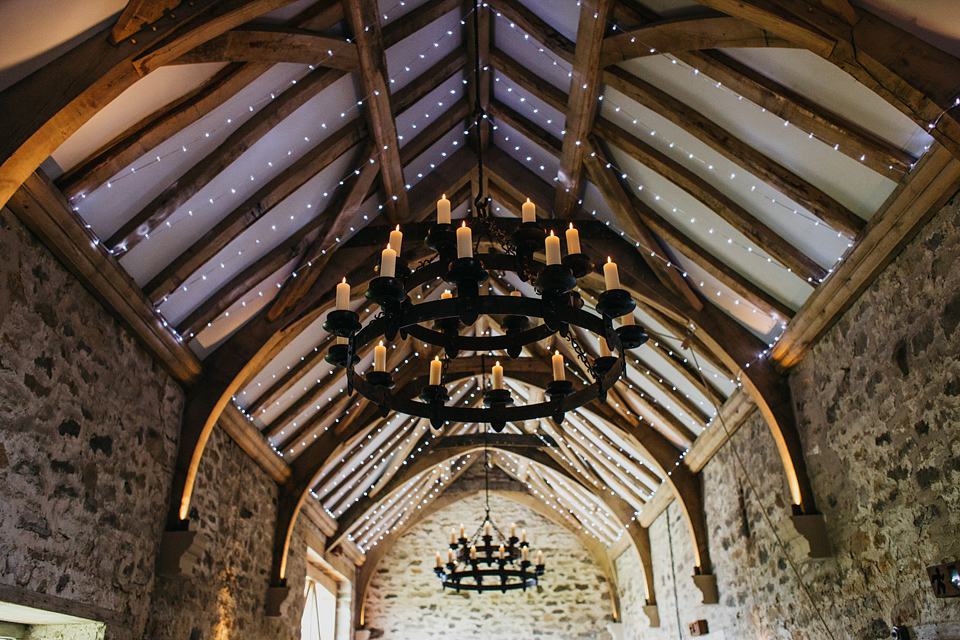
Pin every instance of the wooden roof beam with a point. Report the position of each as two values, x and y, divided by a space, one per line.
722 141
139 227
739 218
323 248
364 20
585 90
259 204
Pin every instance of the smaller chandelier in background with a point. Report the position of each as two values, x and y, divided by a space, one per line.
501 565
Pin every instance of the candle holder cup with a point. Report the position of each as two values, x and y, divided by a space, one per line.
337 355
632 336
579 263
556 279
443 239
614 303
467 274
342 323
497 399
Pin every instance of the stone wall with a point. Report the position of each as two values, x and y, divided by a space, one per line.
235 505
878 405
405 602
88 434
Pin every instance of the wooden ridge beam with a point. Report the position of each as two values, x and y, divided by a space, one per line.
259 204
479 82
731 212
323 248
582 102
42 208
686 34
364 23
237 143
717 138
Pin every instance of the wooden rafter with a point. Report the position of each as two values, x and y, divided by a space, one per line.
253 208
585 85
139 227
364 23
776 175
323 248
730 211
137 15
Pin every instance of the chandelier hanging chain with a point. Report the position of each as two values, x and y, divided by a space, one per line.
581 354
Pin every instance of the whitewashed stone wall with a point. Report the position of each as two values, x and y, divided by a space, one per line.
405 602
878 406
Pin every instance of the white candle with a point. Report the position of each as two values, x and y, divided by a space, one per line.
523 535
516 294
453 537
380 357
604 349
450 556
446 295
388 262
529 211
396 239
573 240
611 277
553 249
524 554
341 340
461 530
497 376
439 564
539 557
557 361
501 552
513 530
473 553
436 368
464 241
443 210
486 528
627 320
343 296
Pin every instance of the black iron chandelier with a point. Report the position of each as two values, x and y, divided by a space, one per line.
438 322
484 562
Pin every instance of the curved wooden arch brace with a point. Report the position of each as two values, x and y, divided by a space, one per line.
375 556
687 34
736 347
616 505
48 106
276 44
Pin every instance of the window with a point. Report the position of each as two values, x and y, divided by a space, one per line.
319 612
